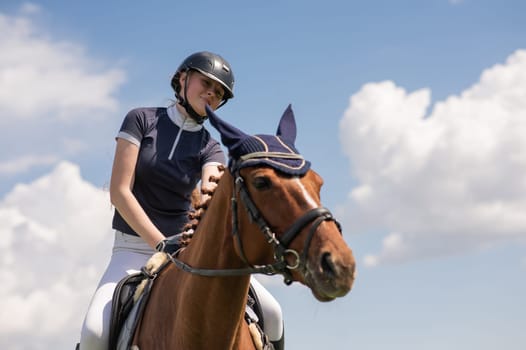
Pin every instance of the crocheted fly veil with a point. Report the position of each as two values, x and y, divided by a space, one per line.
276 151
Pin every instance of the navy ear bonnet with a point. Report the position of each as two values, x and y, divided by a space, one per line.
277 152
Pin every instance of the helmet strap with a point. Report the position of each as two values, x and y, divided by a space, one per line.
199 119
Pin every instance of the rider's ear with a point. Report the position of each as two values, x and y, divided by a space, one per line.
182 78
287 126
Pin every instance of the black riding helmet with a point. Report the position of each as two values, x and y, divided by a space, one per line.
211 65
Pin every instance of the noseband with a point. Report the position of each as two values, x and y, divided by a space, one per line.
280 244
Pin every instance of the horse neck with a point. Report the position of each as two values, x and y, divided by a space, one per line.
212 247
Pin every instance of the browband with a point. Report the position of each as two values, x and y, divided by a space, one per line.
270 155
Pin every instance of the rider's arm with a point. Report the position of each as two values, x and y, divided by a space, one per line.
121 196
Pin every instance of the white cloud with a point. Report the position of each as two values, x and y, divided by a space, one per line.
29 8
56 240
55 91
40 75
445 182
25 163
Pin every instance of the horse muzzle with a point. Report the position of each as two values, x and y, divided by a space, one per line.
329 276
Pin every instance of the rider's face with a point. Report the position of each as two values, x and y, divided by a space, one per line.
201 90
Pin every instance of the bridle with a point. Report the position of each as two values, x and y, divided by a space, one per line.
280 245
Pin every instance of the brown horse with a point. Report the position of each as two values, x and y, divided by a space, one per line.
265 216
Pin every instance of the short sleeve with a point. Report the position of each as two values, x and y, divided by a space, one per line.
213 154
133 127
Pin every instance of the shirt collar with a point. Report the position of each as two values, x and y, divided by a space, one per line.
182 121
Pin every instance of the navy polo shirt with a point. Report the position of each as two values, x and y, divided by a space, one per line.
172 153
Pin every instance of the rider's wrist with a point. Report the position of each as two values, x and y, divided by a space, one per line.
161 245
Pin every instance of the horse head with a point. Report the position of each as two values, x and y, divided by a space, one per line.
278 194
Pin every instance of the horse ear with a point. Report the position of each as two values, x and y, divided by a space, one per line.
230 135
287 125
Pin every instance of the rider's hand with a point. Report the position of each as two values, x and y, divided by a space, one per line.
168 246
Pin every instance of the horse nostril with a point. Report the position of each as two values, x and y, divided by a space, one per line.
327 265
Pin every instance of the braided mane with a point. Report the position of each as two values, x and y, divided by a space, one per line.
198 208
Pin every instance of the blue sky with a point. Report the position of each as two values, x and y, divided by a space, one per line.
413 112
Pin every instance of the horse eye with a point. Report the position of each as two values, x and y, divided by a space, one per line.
262 183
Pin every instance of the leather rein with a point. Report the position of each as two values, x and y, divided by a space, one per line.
280 244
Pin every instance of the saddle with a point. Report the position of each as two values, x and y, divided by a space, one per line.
129 298
131 295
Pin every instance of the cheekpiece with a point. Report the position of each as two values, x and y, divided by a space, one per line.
275 151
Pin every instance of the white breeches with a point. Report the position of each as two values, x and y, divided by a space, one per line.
130 253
